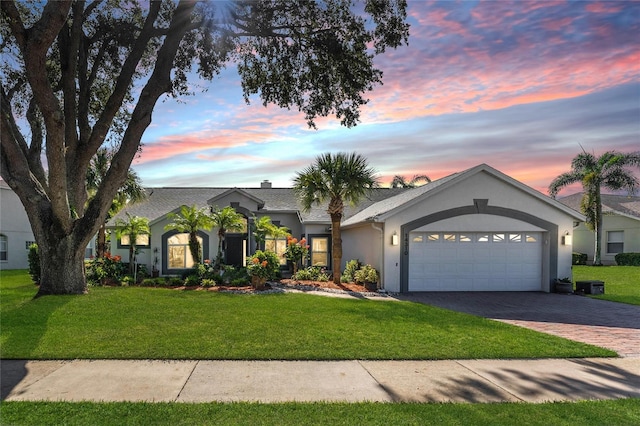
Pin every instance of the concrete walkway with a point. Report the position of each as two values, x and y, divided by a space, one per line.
276 381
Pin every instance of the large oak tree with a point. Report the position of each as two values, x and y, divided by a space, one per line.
76 74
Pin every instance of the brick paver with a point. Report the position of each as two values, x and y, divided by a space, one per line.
611 325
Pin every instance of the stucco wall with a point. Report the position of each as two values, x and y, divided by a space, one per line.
364 243
499 194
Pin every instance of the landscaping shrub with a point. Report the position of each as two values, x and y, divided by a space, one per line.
105 270
34 263
148 282
176 282
348 276
192 280
628 259
264 264
578 258
312 273
161 282
366 274
207 282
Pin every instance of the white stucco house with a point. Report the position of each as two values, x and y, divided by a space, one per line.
620 227
15 231
477 230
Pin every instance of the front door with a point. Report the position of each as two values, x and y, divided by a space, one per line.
235 253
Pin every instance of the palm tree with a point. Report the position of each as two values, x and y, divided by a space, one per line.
130 192
191 220
401 182
339 178
607 171
226 219
263 227
132 228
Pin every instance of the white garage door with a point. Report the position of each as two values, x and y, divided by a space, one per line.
489 261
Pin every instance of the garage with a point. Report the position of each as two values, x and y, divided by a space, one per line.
475 261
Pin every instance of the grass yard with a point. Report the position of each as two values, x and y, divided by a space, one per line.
621 283
618 412
140 323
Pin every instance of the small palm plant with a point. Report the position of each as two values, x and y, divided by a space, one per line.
191 220
225 219
132 228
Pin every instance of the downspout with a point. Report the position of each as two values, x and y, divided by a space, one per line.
381 230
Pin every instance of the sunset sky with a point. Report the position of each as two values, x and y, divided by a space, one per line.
522 86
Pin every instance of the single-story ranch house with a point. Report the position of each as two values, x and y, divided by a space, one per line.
620 227
477 230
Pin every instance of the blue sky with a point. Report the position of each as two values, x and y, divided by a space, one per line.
522 86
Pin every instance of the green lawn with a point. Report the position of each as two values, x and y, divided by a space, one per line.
621 283
139 323
618 412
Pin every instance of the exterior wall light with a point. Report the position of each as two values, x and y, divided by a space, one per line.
394 239
567 239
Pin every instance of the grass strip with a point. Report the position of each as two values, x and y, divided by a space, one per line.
584 413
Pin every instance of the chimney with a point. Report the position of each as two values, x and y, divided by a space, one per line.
265 184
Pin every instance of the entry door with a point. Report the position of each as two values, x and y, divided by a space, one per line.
235 253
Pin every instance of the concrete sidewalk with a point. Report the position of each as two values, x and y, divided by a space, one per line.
277 381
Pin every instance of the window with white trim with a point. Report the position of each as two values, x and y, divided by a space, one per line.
615 242
278 246
179 255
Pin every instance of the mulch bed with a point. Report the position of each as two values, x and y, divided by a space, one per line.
353 287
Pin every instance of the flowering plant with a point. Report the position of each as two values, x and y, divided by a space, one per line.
296 252
263 264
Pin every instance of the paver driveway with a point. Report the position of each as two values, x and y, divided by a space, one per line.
611 325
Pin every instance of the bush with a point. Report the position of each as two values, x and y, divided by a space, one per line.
148 282
192 280
312 273
176 282
366 274
264 264
34 263
628 259
207 282
103 270
348 276
239 282
578 258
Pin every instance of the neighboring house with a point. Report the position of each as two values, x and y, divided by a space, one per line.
15 231
478 230
620 227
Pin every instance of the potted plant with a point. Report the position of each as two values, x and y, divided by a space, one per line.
563 285
368 276
263 265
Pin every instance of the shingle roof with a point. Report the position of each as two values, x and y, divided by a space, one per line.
161 201
625 205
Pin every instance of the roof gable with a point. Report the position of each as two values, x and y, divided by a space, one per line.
379 212
623 205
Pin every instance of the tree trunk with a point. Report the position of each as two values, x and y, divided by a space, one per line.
194 248
101 243
336 246
597 254
62 268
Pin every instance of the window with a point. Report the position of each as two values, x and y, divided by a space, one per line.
433 237
515 238
179 255
483 238
450 237
4 247
141 241
278 246
465 238
320 251
531 238
418 238
498 238
615 242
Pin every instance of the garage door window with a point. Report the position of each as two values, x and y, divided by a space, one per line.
498 238
530 238
483 238
433 237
